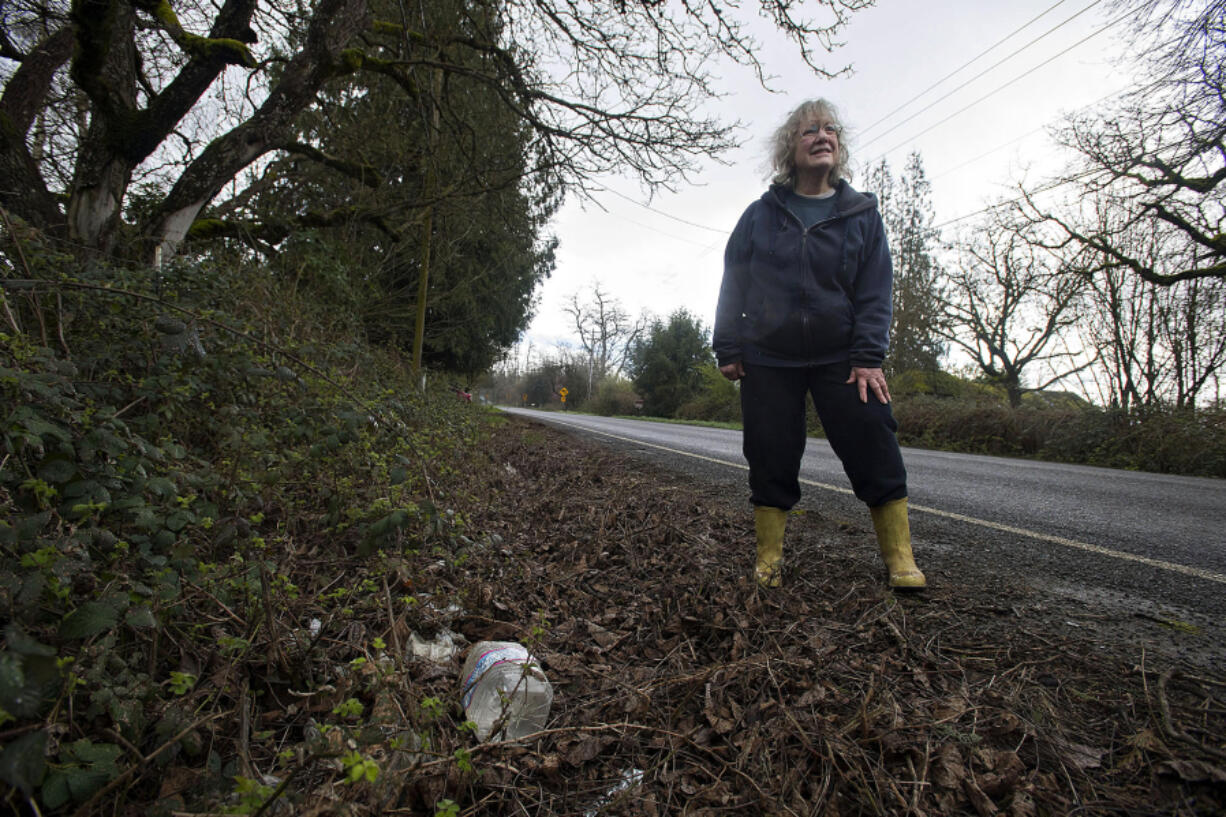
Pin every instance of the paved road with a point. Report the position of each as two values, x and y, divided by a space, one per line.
1126 541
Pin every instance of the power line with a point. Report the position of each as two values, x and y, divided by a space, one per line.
1017 139
967 64
1055 183
992 67
987 153
946 119
666 215
1043 189
640 225
1018 78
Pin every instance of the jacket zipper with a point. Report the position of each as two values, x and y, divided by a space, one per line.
804 234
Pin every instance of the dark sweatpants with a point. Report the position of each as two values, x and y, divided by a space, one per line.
861 434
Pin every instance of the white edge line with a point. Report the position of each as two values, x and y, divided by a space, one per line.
1196 572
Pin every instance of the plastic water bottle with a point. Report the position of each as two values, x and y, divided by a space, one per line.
500 678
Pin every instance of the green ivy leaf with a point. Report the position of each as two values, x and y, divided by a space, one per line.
147 520
23 762
37 426
26 683
141 616
128 503
30 526
89 619
179 520
162 487
22 644
84 768
57 470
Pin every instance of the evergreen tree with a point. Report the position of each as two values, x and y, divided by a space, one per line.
906 209
483 220
667 365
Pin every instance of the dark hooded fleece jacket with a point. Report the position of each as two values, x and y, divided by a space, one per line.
792 296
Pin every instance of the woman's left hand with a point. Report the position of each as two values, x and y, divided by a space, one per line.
866 379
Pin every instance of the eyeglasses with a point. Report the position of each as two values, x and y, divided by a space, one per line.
829 128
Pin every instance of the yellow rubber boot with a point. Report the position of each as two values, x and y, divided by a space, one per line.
769 524
894 537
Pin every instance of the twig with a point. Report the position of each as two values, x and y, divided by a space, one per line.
1197 678
59 323
272 798
220 603
244 731
133 404
391 620
8 313
276 651
8 734
88 806
1168 723
38 313
922 780
127 744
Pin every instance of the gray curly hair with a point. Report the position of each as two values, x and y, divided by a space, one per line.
783 142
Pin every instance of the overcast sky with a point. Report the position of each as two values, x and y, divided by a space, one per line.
975 143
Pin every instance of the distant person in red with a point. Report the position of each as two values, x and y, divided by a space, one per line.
804 309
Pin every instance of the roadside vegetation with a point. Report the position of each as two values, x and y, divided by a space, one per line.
227 529
198 496
949 413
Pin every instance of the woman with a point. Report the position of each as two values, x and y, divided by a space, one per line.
804 308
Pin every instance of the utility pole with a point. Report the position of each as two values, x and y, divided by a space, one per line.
427 226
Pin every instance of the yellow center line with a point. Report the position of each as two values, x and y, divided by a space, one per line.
1196 572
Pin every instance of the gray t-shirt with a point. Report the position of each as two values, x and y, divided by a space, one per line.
811 209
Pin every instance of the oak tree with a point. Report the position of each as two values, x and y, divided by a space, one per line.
181 101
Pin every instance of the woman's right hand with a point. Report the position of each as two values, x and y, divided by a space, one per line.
733 371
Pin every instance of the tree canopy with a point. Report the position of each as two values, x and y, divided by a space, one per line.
418 147
1155 155
182 101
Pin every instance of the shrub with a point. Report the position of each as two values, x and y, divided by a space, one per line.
614 396
1064 428
173 447
972 426
718 399
942 384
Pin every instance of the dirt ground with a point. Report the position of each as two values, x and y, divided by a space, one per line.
681 688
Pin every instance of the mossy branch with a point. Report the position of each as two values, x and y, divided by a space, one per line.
228 50
353 60
398 30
